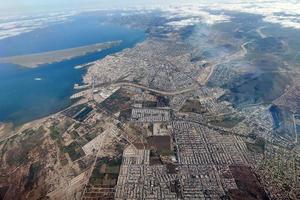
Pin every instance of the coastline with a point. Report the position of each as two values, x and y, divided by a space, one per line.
9 130
15 130
79 64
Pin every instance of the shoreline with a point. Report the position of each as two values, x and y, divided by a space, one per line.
9 129
17 129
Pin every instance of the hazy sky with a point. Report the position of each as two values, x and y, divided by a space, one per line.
11 7
19 6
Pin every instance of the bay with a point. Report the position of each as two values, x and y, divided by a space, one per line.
27 94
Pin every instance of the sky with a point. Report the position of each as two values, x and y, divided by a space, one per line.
23 6
10 7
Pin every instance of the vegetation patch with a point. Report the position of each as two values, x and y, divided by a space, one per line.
125 115
163 101
74 150
149 104
162 144
3 191
119 100
247 183
91 136
74 134
106 172
71 112
193 106
258 146
32 176
83 114
22 146
228 121
155 158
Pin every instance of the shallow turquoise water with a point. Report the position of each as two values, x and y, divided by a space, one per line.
22 98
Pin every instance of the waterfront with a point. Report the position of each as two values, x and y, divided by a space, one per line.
28 94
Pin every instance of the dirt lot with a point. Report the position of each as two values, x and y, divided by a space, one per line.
162 144
249 187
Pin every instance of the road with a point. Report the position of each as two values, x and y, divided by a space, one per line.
162 92
260 33
295 129
90 171
225 59
242 52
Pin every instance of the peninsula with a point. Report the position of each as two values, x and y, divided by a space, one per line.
37 59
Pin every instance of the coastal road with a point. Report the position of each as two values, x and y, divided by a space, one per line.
130 84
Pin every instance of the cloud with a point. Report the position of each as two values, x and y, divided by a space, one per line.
194 15
184 22
283 12
14 26
286 13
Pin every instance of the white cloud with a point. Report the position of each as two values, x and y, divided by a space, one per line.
195 14
184 22
22 24
285 13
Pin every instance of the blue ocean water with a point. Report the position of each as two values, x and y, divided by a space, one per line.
22 98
